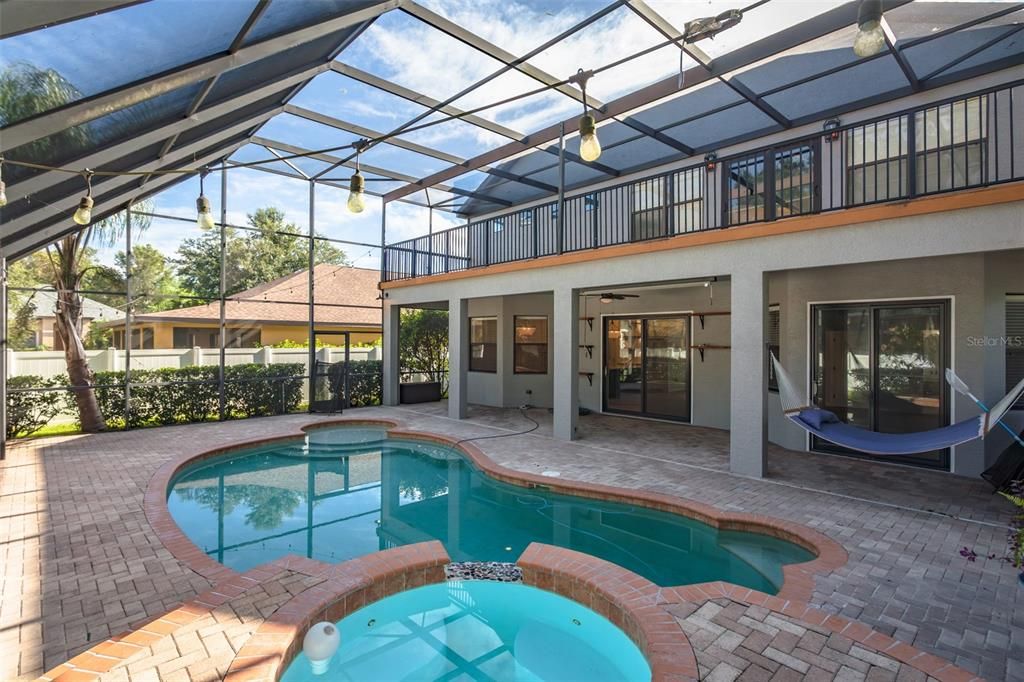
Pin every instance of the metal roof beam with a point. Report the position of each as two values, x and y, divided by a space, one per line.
26 242
520 64
394 175
369 133
897 53
64 205
665 28
91 108
474 40
22 16
821 25
116 150
436 105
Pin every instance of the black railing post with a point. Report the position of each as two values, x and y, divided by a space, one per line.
536 239
447 250
415 257
560 218
911 155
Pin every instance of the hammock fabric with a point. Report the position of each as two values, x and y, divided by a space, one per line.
828 426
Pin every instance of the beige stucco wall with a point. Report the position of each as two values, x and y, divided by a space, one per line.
270 335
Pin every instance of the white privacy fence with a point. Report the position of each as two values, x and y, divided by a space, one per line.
51 363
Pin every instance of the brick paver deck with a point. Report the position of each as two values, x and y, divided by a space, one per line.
80 562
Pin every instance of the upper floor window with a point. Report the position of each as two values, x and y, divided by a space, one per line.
744 190
876 161
648 215
688 200
951 145
483 344
772 184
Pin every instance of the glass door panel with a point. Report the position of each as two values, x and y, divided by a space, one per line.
667 368
910 370
842 375
880 367
623 345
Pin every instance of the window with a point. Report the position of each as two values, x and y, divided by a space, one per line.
876 161
142 339
1015 343
744 190
531 345
688 200
207 337
951 145
794 182
483 344
773 336
648 220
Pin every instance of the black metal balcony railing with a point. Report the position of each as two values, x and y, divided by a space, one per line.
969 141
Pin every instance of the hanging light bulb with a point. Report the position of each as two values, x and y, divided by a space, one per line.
870 38
590 146
204 215
3 187
356 193
319 645
357 185
83 216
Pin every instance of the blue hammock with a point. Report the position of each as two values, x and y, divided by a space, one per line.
828 426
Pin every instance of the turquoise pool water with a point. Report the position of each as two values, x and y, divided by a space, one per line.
348 492
478 631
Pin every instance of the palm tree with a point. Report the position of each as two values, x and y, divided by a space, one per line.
24 92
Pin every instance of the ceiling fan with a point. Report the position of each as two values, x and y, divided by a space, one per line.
608 297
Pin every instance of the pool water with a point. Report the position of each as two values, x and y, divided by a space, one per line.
480 631
344 493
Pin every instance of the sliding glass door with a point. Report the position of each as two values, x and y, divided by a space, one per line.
647 366
879 366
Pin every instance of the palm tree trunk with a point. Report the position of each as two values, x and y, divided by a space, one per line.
68 325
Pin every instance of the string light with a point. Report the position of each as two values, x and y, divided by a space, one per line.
83 216
870 38
3 187
357 185
590 146
204 215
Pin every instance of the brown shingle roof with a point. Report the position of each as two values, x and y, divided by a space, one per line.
284 300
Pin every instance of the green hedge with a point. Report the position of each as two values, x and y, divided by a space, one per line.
32 410
182 395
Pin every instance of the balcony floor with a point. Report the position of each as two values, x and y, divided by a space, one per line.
81 562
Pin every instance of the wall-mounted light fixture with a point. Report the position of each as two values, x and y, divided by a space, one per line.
710 159
831 128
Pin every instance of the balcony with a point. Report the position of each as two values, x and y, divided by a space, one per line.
966 142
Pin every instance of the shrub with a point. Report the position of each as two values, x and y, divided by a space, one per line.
365 383
29 411
256 390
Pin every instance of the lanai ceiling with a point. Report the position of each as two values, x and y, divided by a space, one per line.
470 94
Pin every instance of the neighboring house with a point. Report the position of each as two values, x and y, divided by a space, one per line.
272 313
45 301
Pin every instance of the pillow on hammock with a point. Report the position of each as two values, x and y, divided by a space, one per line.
815 417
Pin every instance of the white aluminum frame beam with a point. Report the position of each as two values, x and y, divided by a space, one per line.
94 107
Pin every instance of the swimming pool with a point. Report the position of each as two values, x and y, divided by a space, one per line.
478 630
346 492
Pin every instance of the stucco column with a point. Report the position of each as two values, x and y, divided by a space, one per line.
565 338
392 366
458 356
748 415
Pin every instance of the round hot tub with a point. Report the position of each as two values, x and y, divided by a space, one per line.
477 630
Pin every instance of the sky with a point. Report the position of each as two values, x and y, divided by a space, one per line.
395 47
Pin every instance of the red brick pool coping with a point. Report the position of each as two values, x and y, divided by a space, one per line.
798 579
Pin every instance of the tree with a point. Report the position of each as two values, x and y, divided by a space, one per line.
272 249
155 285
423 343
